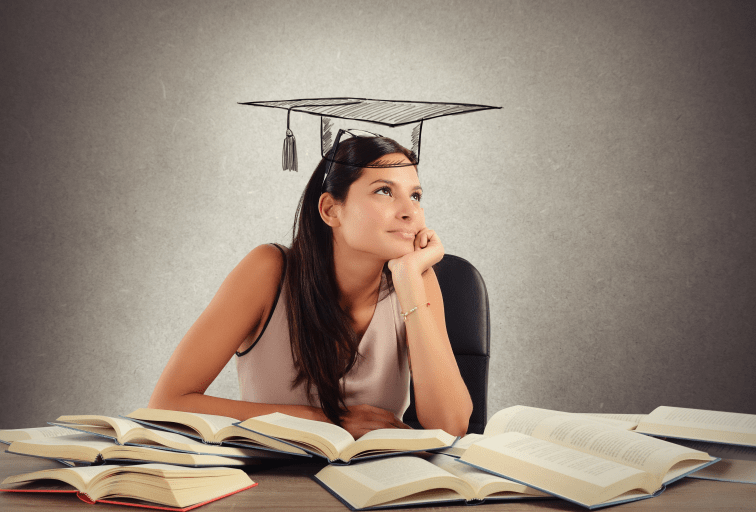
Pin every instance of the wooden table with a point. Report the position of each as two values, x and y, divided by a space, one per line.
290 488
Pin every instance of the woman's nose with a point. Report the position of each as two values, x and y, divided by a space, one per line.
408 209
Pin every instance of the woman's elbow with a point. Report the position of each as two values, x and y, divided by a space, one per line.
458 428
157 402
454 422
457 419
161 399
463 420
456 425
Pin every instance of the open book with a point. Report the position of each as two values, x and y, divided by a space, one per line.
147 485
579 459
699 425
413 480
530 416
737 464
8 436
209 428
337 445
18 434
127 432
91 449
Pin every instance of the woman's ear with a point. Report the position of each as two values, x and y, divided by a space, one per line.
329 210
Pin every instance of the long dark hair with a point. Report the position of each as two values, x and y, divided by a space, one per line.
323 342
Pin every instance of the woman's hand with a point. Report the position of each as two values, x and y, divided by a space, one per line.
428 251
361 419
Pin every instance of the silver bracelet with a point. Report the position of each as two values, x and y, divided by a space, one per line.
408 313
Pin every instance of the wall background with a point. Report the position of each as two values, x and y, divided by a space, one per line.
609 204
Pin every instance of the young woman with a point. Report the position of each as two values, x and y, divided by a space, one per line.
331 328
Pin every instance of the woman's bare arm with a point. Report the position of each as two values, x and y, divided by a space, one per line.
237 310
441 396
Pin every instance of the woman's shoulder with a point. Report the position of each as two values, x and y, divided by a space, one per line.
266 261
260 276
268 254
259 273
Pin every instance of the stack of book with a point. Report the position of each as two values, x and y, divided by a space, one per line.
594 460
165 469
591 460
93 439
301 436
170 446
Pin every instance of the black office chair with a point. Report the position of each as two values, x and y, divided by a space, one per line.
469 327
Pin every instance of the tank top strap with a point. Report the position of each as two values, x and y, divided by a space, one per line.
275 302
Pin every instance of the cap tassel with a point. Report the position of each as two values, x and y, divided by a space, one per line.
289 157
290 152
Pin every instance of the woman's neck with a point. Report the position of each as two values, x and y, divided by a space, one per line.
358 278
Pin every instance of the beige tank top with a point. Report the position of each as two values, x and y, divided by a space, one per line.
380 377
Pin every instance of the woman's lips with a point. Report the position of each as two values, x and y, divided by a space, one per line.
404 235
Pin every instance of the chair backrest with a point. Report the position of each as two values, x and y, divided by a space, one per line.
469 328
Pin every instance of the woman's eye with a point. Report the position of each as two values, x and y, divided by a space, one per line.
417 196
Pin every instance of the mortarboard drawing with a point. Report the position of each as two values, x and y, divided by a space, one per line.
361 117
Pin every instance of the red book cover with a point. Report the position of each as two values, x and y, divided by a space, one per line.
60 487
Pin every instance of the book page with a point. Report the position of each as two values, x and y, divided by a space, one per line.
95 442
122 453
216 423
79 477
397 439
301 429
574 431
519 418
87 447
734 422
252 440
441 496
383 474
169 471
84 448
479 480
630 418
682 468
403 433
524 419
703 425
176 441
17 434
642 452
204 426
729 470
120 426
723 451
151 436
384 480
559 459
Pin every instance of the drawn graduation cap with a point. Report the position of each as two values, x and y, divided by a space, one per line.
359 117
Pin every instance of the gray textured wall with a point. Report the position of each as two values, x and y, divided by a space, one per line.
609 204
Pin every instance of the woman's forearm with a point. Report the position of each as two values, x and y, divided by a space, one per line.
441 396
204 404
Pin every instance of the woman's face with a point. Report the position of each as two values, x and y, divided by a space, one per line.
382 212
